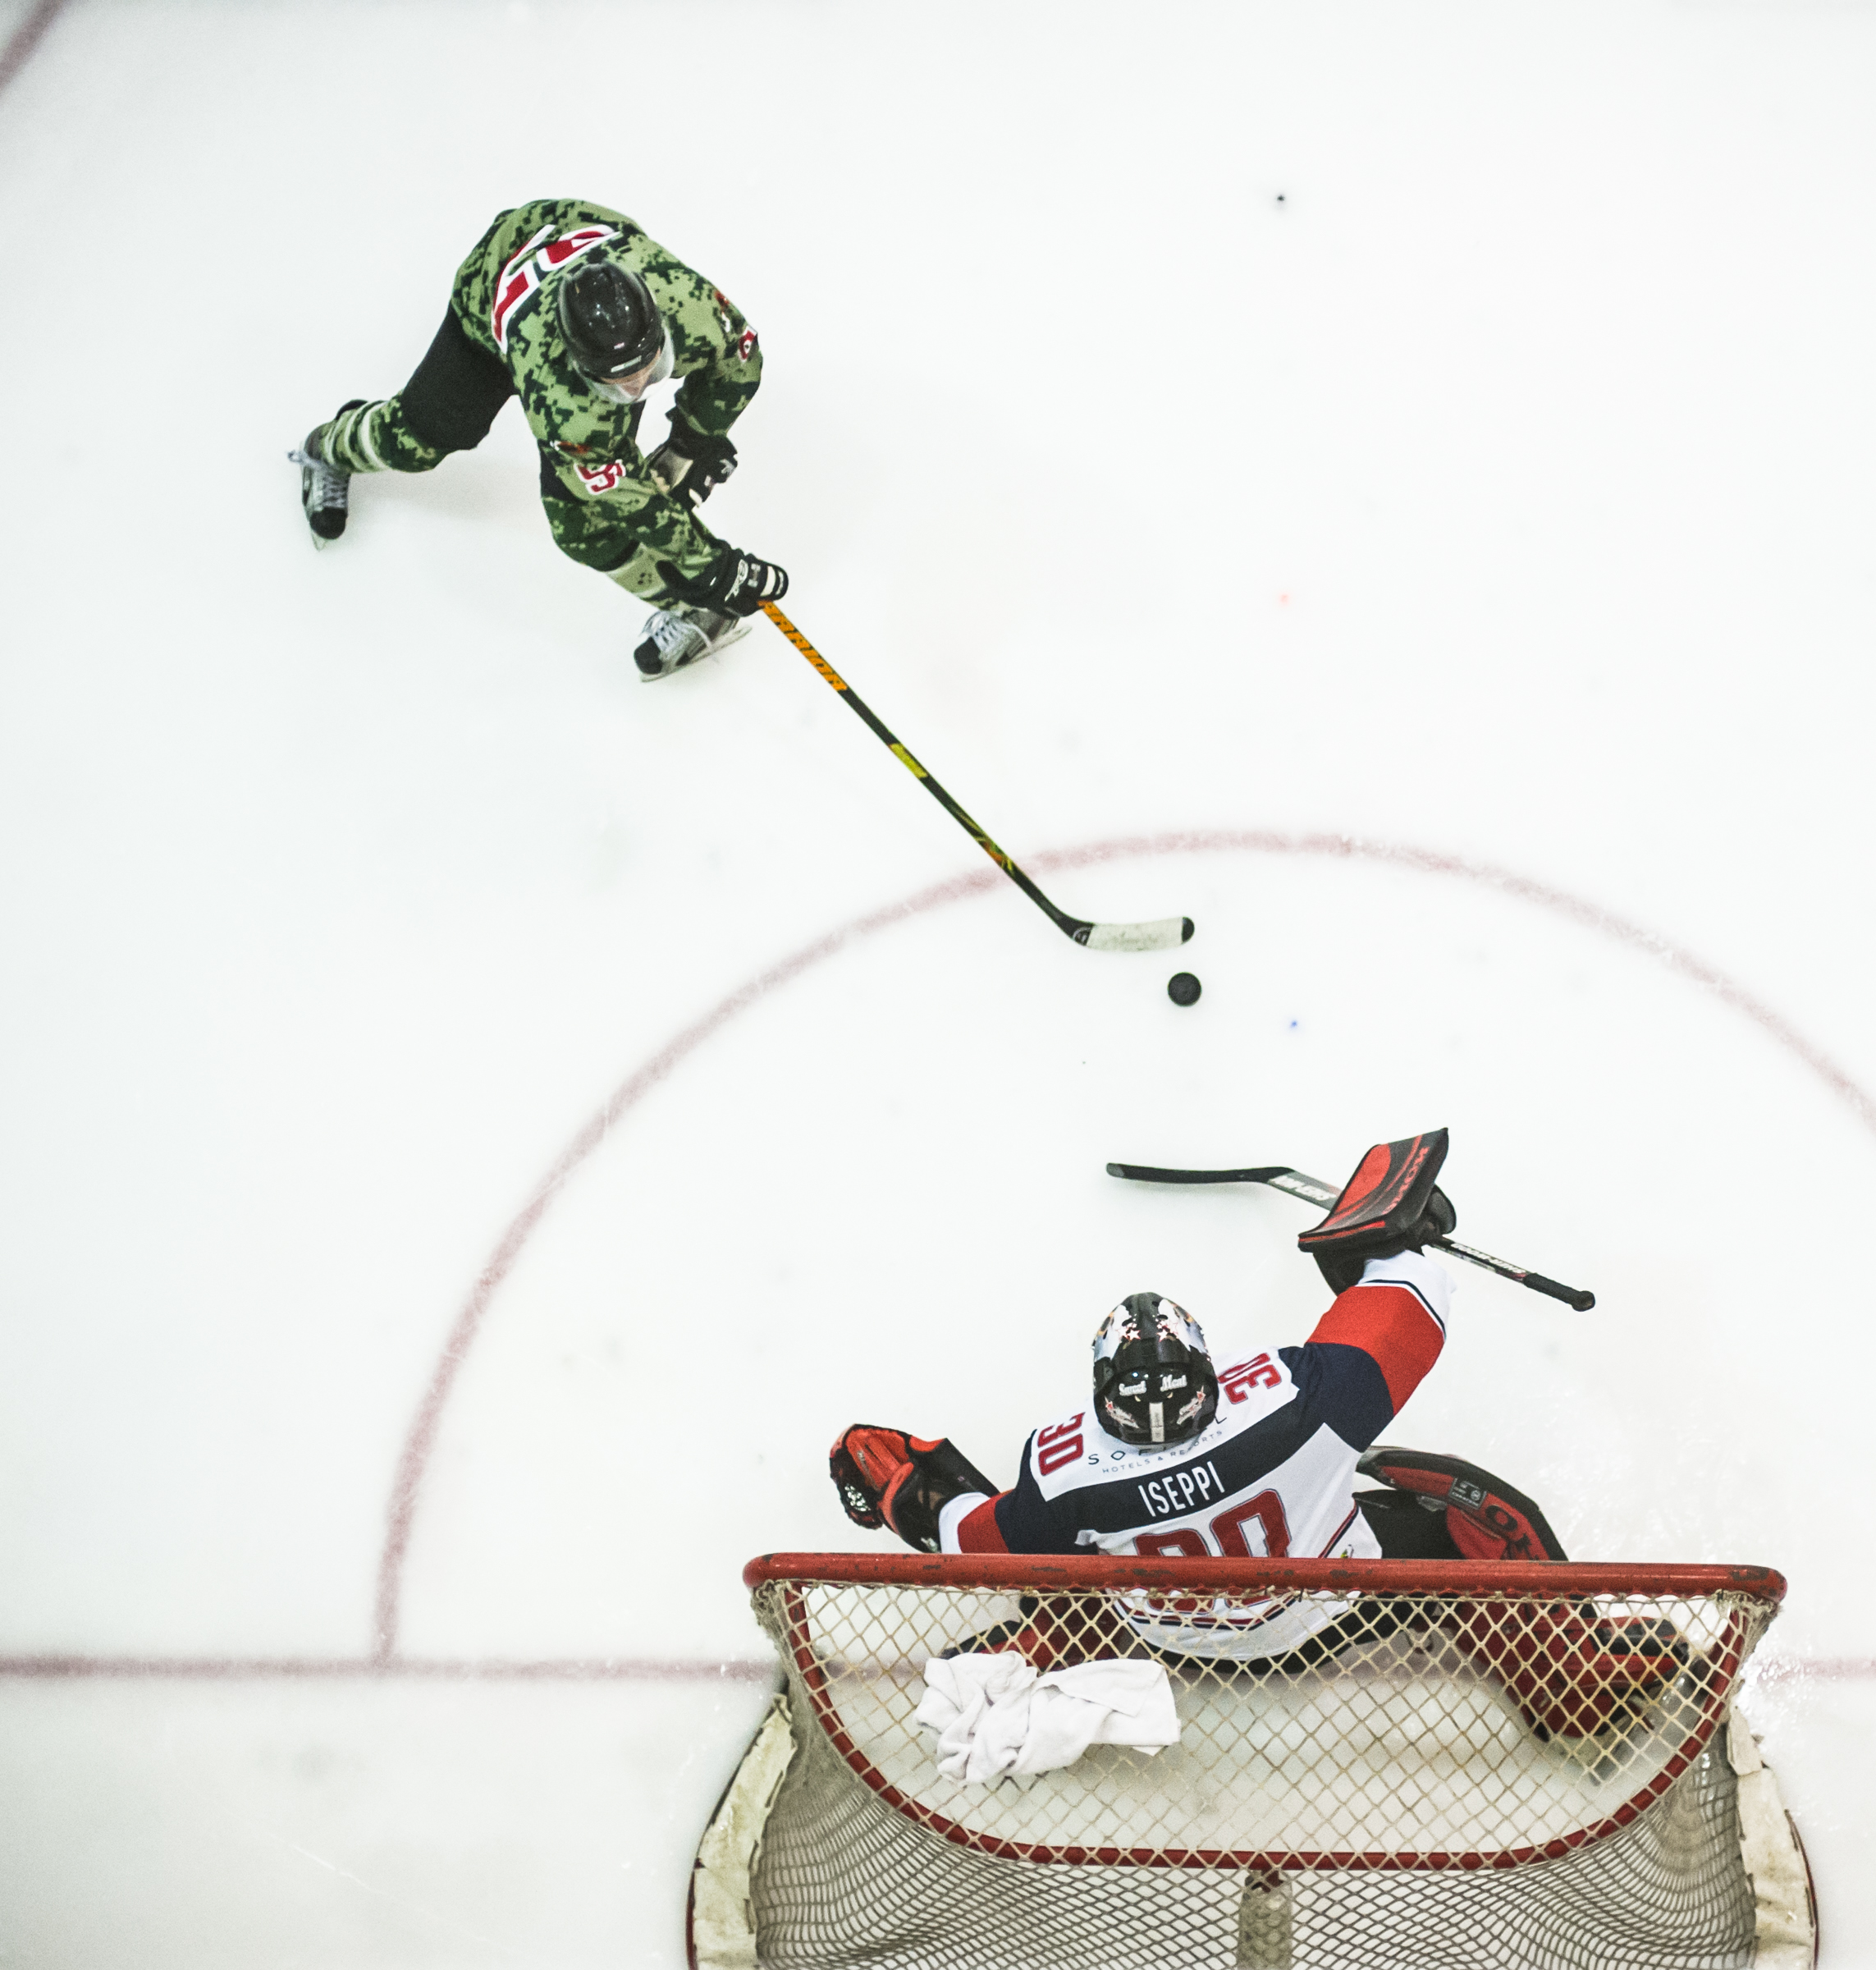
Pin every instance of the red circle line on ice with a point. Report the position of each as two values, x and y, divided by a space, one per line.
421 1436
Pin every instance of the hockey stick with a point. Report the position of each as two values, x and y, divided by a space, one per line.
1163 934
1279 1177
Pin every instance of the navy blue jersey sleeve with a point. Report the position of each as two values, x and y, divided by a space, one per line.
1028 1522
1343 1386
1374 1347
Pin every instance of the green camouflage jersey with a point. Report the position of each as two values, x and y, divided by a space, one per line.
604 506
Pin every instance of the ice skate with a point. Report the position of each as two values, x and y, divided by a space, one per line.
678 636
325 491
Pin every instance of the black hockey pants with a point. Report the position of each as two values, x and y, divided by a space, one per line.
448 405
455 392
452 398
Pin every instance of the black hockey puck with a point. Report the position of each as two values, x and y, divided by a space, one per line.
1182 988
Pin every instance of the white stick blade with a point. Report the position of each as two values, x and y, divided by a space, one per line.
1168 933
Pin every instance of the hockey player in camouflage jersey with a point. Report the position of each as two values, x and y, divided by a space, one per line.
571 307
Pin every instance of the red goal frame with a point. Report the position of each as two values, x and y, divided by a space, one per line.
792 1573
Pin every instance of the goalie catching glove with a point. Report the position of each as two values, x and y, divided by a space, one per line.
886 1477
1389 1205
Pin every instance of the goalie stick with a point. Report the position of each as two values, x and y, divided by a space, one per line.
1164 933
1278 1176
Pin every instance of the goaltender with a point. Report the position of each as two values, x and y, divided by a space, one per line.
1259 1459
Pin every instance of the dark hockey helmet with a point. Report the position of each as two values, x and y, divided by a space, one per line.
1153 1378
611 324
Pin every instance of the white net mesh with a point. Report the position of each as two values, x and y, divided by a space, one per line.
1464 1775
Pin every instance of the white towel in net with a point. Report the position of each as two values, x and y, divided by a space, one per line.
995 1714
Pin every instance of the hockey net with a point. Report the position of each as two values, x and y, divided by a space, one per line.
1382 1763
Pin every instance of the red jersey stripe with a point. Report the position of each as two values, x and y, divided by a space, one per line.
978 1531
1392 1326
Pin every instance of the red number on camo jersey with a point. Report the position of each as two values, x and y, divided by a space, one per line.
598 479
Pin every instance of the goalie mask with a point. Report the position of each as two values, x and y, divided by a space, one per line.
1153 1379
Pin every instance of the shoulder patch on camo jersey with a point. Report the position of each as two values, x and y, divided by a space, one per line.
522 273
744 344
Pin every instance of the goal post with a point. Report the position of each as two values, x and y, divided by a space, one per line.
1380 1765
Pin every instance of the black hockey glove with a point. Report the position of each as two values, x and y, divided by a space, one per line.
735 584
690 465
885 1477
1389 1205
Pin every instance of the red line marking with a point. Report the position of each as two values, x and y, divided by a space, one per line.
1819 1669
421 1437
422 1432
1622 930
369 1668
26 36
421 1669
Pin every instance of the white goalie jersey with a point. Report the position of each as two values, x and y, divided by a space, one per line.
1272 1476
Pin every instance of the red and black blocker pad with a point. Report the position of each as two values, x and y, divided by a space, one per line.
1389 1205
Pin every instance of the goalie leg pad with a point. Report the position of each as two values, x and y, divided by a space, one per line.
1571 1678
1485 1517
1572 1674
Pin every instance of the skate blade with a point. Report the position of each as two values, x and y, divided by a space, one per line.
743 627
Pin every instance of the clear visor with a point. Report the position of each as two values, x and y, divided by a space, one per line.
629 389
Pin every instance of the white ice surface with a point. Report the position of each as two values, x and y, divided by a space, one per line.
1505 489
